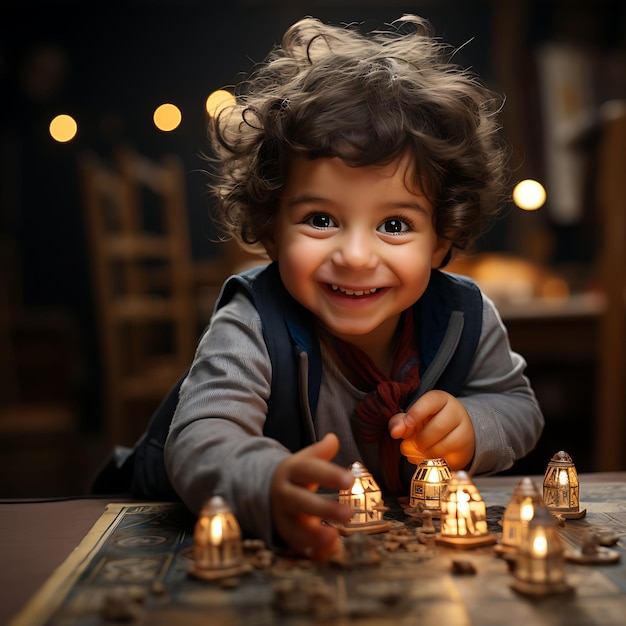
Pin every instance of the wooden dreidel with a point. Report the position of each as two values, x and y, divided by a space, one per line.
365 500
464 514
539 569
217 545
560 487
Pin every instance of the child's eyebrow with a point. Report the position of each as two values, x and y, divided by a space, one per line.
309 198
304 198
408 205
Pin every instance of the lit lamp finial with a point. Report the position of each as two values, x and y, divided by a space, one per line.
539 569
428 486
560 487
464 514
365 500
217 545
525 500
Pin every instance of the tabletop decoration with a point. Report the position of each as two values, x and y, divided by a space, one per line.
520 510
366 502
217 544
464 514
428 485
591 551
539 569
560 487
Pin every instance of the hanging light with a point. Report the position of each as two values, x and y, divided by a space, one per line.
217 545
365 501
464 514
539 569
518 513
428 486
560 487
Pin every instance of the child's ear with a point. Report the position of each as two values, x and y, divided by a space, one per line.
271 248
441 253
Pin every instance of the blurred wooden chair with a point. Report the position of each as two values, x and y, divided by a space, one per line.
610 420
138 239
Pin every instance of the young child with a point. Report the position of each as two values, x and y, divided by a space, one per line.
359 162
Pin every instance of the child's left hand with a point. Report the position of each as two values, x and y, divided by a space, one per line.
437 425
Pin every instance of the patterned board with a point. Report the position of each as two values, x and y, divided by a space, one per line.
133 567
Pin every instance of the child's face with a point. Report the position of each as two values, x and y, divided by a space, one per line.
354 245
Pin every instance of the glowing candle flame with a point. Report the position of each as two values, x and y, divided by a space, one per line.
527 511
216 530
433 475
540 546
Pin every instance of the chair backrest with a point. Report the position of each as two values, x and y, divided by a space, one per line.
138 239
611 405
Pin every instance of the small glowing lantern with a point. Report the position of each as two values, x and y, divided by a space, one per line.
560 487
539 569
217 546
464 514
365 500
520 510
428 485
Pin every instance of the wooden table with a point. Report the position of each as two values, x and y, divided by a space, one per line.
39 538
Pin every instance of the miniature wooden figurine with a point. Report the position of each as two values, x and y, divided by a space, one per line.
539 569
560 487
428 486
365 500
591 552
520 510
464 514
217 545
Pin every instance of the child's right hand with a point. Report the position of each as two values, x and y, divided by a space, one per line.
298 511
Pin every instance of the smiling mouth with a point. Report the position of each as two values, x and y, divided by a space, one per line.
354 292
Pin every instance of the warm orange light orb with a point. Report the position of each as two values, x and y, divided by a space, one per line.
218 101
529 195
167 117
63 128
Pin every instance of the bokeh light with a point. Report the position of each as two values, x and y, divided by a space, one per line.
167 117
218 101
63 128
529 195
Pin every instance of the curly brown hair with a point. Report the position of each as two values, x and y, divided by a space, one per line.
331 91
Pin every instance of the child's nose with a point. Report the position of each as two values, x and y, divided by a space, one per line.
356 250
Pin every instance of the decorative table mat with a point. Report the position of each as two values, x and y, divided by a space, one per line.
133 566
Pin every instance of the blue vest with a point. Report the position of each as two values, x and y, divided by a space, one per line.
448 321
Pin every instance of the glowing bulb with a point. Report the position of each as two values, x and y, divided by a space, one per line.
463 504
218 101
529 195
433 475
357 488
63 128
540 546
167 117
527 511
216 530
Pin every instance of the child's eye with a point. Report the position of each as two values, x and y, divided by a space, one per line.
394 225
320 220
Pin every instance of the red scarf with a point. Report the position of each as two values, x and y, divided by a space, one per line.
388 396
